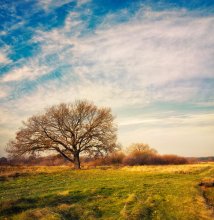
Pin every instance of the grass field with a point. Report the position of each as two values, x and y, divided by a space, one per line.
146 192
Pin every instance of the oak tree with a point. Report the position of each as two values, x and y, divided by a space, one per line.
69 129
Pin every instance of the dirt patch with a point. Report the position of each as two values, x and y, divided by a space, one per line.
207 190
207 183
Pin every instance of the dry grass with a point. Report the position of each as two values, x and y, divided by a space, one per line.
16 171
130 193
177 169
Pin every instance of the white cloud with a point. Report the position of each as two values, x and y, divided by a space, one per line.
153 49
170 119
17 74
2 33
3 94
4 91
10 121
124 65
100 94
82 2
30 71
51 4
206 104
152 52
4 59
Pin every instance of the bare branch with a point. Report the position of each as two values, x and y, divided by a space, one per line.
69 129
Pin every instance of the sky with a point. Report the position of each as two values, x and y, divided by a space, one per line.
152 62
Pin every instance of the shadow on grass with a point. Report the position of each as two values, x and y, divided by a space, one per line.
11 207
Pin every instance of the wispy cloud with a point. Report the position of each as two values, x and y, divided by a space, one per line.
144 58
51 4
173 120
125 61
187 141
152 50
30 71
48 5
3 94
82 2
4 59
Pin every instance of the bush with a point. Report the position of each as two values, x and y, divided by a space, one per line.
139 158
172 159
142 154
139 154
153 159
115 158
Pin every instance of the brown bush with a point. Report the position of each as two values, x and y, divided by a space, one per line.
173 159
139 158
115 158
142 154
153 159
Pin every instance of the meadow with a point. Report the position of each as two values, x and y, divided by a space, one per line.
183 192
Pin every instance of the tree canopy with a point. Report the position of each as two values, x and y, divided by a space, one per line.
69 129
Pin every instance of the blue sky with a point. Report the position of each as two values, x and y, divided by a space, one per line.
150 61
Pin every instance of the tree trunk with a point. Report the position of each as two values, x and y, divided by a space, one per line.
76 161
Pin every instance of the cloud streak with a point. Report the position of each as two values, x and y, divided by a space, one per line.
4 59
153 50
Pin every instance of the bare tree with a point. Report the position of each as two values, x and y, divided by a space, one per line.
70 130
141 148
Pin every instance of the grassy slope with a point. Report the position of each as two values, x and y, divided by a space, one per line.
159 192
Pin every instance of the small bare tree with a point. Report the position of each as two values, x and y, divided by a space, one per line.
141 148
69 129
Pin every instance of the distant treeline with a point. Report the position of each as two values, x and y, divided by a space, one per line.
205 159
117 158
135 154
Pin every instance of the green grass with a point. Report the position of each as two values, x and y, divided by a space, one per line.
147 192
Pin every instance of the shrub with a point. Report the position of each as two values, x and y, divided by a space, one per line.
115 158
139 154
139 158
173 159
142 154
